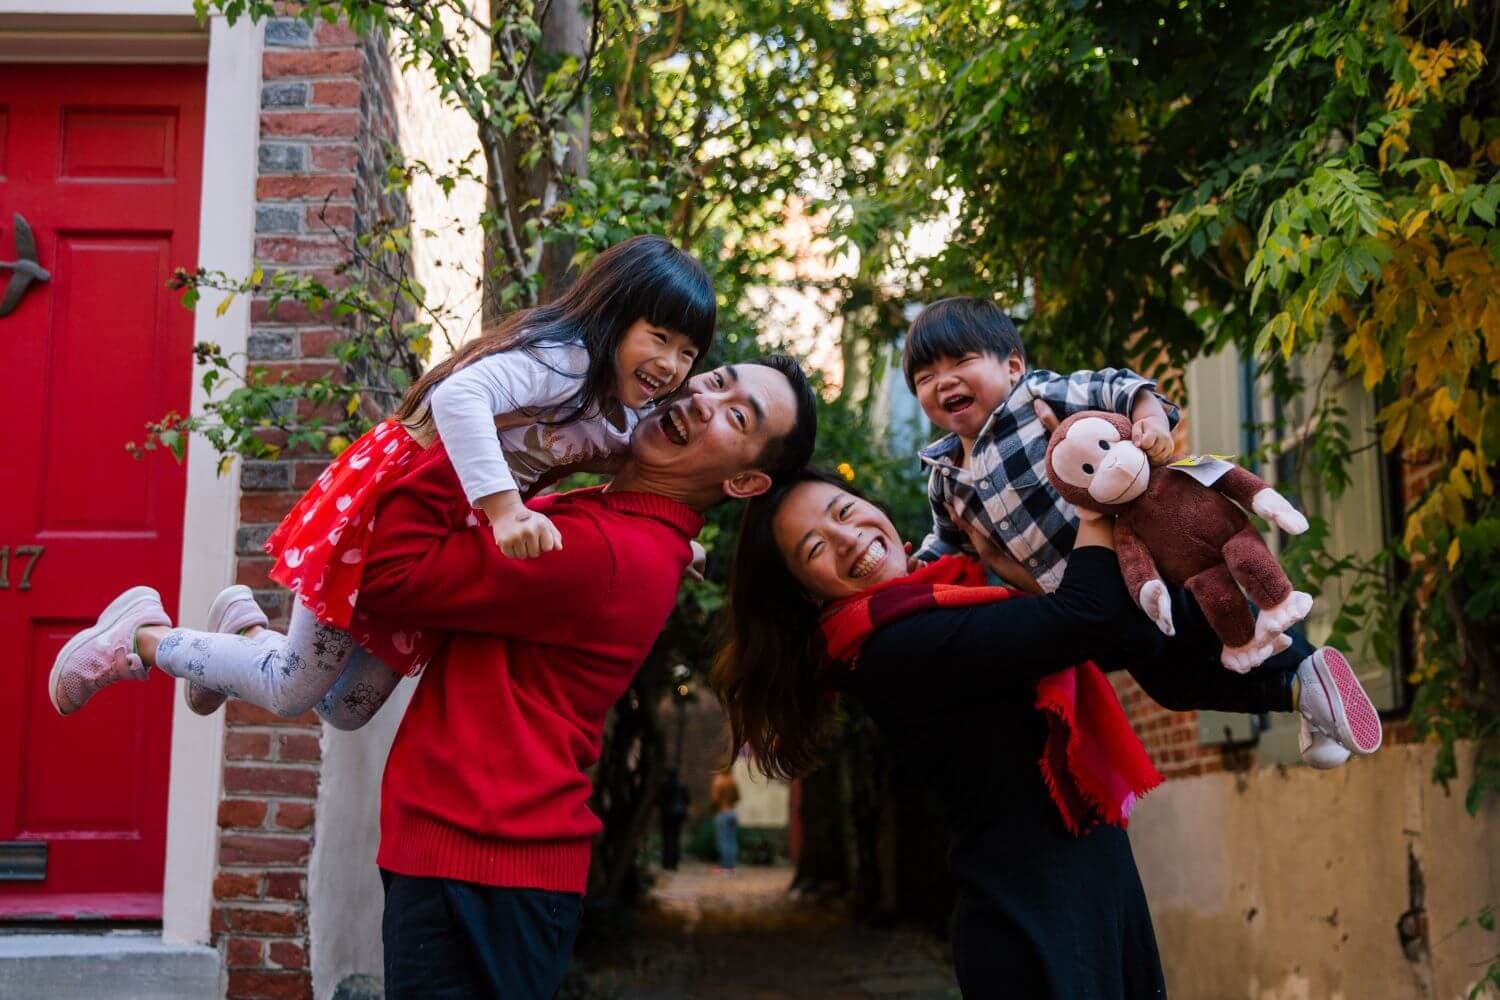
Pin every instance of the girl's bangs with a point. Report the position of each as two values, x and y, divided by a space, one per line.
681 300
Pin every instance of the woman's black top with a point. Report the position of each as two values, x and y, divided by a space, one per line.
1041 913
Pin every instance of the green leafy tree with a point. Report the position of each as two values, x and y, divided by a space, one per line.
1302 180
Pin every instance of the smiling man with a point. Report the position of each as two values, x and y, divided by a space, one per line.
485 827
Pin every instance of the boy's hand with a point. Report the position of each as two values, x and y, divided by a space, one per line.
1045 414
1154 439
522 533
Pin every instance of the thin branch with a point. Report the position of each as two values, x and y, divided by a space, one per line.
623 92
588 63
680 17
517 72
494 153
539 18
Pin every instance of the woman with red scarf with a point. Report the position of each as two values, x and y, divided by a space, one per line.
996 696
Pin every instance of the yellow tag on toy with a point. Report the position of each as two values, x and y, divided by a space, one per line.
1189 461
1207 469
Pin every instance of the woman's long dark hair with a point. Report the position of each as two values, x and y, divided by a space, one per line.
769 670
642 278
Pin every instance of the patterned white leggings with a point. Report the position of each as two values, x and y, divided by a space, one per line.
311 666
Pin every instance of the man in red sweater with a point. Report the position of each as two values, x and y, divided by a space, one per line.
485 827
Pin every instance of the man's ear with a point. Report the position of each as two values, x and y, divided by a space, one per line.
747 485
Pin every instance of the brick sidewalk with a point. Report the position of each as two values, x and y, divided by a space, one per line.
745 937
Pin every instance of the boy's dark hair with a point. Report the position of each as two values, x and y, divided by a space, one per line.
784 457
950 328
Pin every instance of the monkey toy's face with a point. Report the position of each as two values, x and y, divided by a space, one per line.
1094 464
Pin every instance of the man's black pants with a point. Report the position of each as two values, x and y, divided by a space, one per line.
448 940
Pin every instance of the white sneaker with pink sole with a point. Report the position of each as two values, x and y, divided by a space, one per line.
105 652
233 611
1334 702
1323 753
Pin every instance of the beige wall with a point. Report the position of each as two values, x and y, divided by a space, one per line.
764 804
343 883
1288 883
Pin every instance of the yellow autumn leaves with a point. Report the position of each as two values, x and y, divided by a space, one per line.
1426 319
1440 72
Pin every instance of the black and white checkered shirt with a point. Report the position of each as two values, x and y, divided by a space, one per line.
1005 491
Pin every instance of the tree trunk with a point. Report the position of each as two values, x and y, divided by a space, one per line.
565 26
565 32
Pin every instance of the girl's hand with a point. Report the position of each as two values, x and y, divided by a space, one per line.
995 558
523 533
698 564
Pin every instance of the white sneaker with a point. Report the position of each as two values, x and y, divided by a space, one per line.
1334 703
1319 751
233 611
104 653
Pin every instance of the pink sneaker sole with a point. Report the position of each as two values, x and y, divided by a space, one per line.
1353 709
108 620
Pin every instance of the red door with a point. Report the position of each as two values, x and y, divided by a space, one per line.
104 164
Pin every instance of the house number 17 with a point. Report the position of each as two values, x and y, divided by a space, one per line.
34 551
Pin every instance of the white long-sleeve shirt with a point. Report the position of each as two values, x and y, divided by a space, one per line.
497 418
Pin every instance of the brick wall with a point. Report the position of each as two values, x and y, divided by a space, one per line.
1171 738
324 117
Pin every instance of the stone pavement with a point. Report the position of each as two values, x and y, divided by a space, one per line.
710 936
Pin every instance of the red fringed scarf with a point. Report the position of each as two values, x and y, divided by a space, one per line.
1093 763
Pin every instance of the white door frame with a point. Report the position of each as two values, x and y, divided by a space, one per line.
70 30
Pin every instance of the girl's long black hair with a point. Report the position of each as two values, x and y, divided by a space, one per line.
769 670
645 277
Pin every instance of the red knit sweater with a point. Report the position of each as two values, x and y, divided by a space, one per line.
485 782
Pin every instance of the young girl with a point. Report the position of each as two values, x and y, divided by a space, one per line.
552 389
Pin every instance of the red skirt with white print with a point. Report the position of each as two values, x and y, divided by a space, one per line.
320 546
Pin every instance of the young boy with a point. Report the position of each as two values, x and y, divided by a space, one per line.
965 362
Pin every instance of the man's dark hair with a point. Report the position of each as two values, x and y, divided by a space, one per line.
951 328
785 456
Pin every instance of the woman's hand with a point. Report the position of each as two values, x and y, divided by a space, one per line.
1000 562
1096 529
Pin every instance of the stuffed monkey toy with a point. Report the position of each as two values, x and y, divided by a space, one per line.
1182 525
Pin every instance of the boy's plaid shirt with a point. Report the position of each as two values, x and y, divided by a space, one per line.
1006 493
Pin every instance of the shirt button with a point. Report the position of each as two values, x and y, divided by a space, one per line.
1032 560
984 486
1004 525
